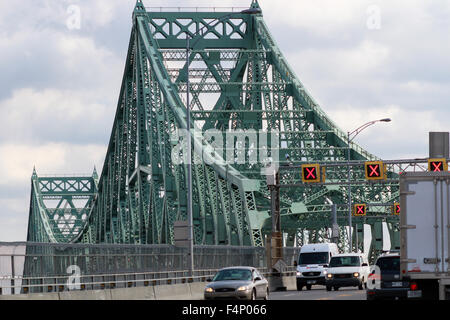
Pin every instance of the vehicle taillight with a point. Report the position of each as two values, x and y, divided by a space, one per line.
374 276
413 286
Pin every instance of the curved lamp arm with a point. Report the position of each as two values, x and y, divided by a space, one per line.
364 126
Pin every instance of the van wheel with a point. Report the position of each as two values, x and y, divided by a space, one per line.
328 288
336 288
299 287
308 287
361 284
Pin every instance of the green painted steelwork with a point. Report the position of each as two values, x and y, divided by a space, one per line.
59 207
239 80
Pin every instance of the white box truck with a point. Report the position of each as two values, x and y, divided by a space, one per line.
424 234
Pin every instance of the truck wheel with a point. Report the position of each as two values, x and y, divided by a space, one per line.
308 287
328 288
299 287
336 288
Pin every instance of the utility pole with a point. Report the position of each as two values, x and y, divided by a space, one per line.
275 242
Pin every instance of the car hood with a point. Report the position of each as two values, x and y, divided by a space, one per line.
344 270
228 284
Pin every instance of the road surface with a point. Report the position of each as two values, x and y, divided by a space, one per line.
320 293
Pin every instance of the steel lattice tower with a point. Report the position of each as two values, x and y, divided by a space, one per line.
239 81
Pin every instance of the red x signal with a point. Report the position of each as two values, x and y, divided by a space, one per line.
437 165
396 208
359 209
374 170
310 173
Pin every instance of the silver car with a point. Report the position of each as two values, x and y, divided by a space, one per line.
244 283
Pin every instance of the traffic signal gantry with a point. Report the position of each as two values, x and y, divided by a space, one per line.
374 171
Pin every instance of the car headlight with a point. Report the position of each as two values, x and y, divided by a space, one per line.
329 275
209 290
356 274
243 288
299 274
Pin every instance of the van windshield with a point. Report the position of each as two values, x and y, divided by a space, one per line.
336 262
313 258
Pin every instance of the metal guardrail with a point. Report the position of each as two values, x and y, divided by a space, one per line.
113 281
43 267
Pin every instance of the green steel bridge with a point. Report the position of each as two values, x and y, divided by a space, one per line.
239 81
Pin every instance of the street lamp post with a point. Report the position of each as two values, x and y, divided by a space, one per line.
189 145
354 133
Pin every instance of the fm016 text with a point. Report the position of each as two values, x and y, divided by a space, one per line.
243 309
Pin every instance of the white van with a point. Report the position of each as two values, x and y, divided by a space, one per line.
313 262
347 270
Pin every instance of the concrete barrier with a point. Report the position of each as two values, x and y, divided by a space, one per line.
197 290
290 282
185 291
277 283
173 292
139 293
31 296
86 295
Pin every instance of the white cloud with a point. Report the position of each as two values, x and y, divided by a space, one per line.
54 115
405 137
76 51
53 158
14 218
320 16
362 60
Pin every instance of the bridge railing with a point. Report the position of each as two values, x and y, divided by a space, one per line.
115 281
42 267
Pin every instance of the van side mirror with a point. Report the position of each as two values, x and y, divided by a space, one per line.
209 280
365 265
257 279
295 263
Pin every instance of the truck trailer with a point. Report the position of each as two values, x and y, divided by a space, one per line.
424 234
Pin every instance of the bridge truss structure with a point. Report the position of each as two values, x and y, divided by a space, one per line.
239 82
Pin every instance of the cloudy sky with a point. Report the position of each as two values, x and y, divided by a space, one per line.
60 78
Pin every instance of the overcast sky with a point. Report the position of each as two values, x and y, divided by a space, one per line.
60 78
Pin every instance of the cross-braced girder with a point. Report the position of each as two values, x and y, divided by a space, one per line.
238 83
59 207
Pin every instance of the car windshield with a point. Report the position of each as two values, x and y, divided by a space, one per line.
344 262
389 265
233 274
313 258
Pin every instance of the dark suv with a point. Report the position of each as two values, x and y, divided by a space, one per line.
384 279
